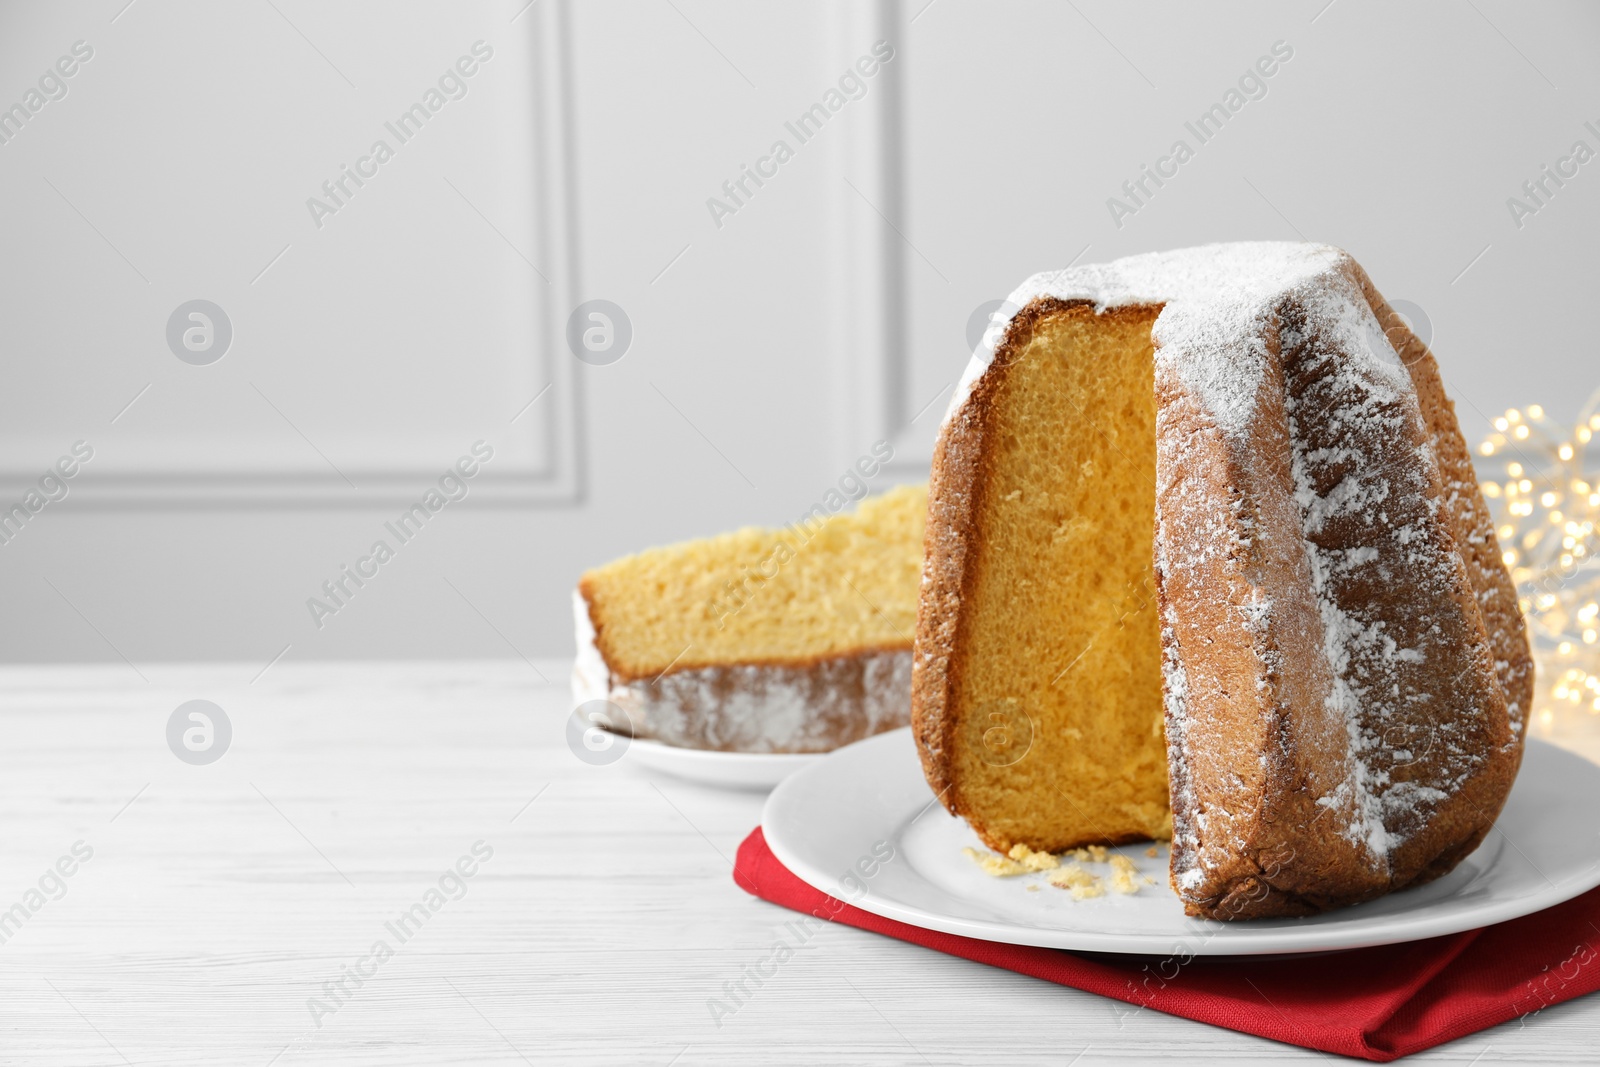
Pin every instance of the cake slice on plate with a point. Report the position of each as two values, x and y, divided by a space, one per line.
1204 538
791 640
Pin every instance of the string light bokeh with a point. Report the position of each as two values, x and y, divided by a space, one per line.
1542 482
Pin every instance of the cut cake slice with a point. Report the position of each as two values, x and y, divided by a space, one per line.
791 640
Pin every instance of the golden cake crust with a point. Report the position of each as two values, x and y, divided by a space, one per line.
1470 519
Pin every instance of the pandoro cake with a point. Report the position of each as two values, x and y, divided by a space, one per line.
1205 545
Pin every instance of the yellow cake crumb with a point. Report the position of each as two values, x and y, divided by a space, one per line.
1079 882
1033 887
994 865
1034 861
1091 854
1152 852
1122 875
829 585
1083 885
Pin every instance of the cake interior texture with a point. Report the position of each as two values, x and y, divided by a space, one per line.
827 586
1061 664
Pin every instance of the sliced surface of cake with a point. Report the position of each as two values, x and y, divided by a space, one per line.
788 640
1205 539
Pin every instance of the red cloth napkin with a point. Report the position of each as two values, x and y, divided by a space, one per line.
1372 1003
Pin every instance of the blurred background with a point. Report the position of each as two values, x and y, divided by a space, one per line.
582 268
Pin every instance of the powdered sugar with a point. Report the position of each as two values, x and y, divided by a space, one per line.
1351 411
1213 296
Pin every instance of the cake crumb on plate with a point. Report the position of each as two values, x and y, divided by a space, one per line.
1079 882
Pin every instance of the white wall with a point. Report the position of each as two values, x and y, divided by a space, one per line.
829 311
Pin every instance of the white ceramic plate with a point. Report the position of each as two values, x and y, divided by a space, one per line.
843 814
728 770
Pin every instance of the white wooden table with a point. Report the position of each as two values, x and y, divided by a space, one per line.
219 899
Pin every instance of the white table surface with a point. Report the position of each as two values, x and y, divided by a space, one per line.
219 901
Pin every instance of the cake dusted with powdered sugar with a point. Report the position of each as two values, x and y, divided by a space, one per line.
1204 537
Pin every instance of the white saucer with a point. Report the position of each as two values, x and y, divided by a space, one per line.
844 814
728 770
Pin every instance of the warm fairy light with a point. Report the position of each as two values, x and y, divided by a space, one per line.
1542 484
